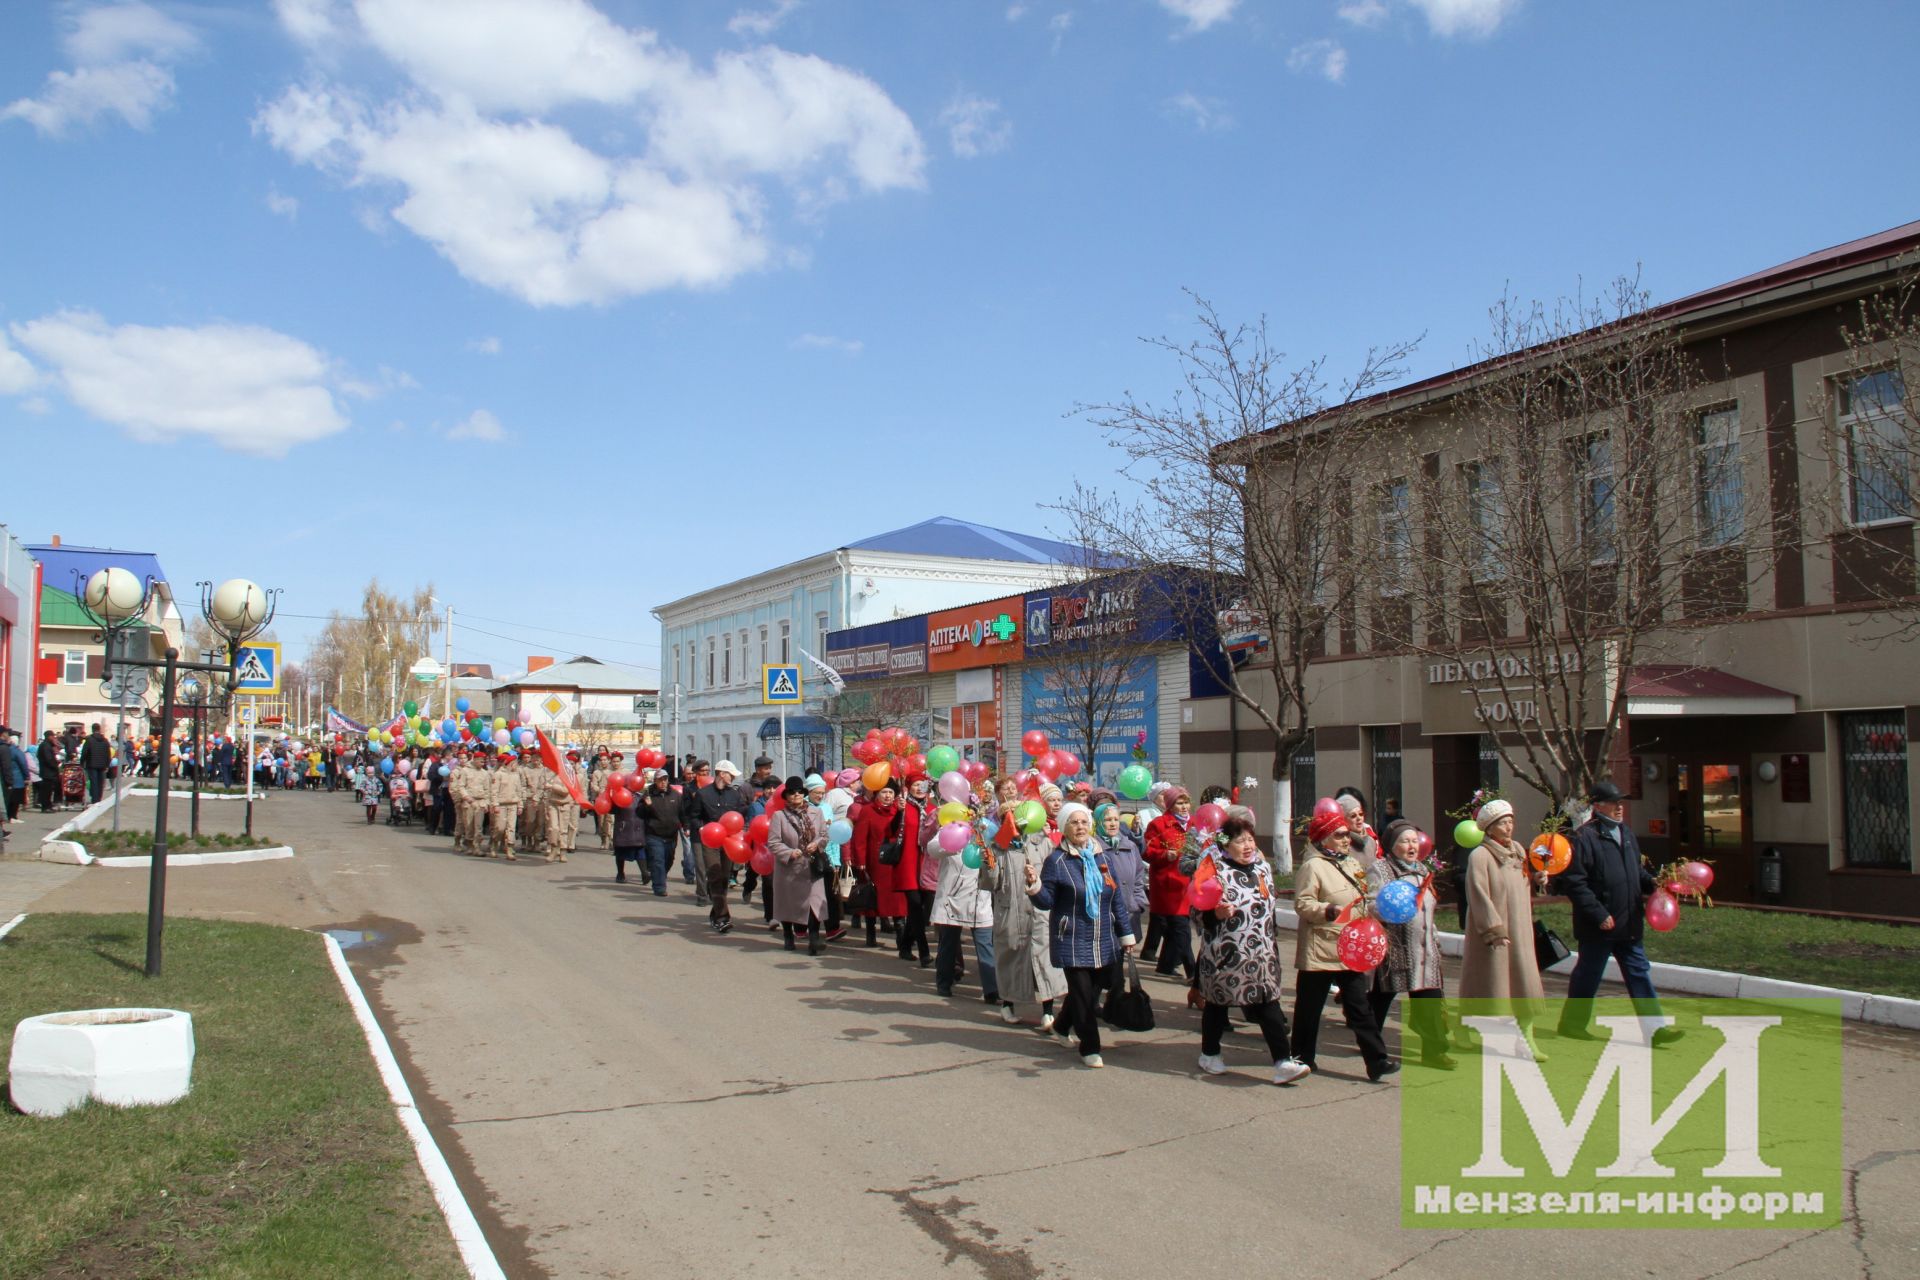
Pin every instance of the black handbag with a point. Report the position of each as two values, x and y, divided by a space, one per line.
1127 1006
895 844
863 899
1548 947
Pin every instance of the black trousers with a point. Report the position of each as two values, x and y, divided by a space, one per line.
49 790
1310 998
1424 1018
1081 1016
15 796
913 933
96 783
1176 945
622 854
812 930
1266 1015
834 905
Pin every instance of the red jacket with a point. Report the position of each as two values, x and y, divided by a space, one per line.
870 828
1166 887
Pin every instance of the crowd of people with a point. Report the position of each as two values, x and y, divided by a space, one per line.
1061 890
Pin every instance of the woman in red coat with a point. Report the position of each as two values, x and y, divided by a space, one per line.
1166 887
871 828
920 820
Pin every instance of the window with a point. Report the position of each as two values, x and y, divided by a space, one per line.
820 632
74 670
1489 762
1396 536
786 640
1486 518
1593 477
1873 789
1717 484
1383 745
1876 443
676 664
1305 777
765 657
726 660
746 674
710 652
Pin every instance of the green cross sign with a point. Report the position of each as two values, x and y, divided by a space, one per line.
1003 628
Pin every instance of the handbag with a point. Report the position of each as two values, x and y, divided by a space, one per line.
863 899
1549 949
1127 1006
895 844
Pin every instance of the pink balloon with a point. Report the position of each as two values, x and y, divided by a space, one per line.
954 789
1210 816
1663 913
1207 893
761 862
954 836
1699 876
976 770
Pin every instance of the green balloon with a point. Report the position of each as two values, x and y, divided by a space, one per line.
412 707
1134 782
1468 834
970 856
942 760
1031 815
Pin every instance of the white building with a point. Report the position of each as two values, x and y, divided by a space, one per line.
714 643
584 702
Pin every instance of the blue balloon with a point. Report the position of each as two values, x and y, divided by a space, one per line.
1398 903
462 705
448 728
386 766
444 771
840 831
990 826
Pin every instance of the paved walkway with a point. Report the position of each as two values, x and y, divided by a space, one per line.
623 1094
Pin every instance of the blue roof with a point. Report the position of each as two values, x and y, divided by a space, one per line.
964 540
60 562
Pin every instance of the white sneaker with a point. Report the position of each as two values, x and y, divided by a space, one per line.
1092 1060
1213 1064
1287 1070
1008 1016
1046 1022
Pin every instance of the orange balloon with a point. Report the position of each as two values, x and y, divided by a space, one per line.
876 775
1550 852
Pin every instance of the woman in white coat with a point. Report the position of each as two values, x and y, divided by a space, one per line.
963 904
1025 968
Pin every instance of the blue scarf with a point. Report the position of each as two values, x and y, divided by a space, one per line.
1091 874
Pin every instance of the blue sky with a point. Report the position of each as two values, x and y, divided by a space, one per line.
574 308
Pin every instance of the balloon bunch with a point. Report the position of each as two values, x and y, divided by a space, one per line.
1677 880
1049 763
743 842
889 756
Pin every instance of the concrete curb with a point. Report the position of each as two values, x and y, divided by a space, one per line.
7 928
183 793
467 1236
88 815
1856 1006
73 854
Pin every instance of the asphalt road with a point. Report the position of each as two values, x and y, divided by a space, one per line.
623 1094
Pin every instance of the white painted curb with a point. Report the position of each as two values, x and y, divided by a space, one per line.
467 1236
1857 1006
73 853
7 928
186 793
91 813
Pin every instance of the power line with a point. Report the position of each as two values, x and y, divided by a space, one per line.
436 619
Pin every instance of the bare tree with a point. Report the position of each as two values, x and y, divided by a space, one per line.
1239 480
1557 522
365 657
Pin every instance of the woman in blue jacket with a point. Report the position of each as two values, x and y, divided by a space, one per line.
1089 925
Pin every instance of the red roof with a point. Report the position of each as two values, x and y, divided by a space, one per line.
1677 680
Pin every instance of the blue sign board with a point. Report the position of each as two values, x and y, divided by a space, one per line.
780 683
256 668
1062 715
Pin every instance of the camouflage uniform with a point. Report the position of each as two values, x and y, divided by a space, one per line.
563 818
503 801
533 805
597 780
469 788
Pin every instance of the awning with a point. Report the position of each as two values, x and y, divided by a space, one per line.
1674 689
797 727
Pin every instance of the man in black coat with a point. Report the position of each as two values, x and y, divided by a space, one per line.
1607 882
723 795
660 808
96 757
49 754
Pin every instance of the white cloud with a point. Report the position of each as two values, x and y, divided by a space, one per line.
1209 115
313 22
1364 13
1015 12
1320 57
122 55
479 425
16 372
1449 18
975 126
826 342
284 205
244 388
521 205
764 22
1200 14
488 346
1059 24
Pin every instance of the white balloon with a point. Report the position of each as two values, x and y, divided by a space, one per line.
114 594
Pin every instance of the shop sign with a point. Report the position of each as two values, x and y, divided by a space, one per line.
1491 693
980 635
1050 702
880 650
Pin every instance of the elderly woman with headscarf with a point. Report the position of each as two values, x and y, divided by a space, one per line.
1413 963
1240 954
831 803
1329 881
798 842
1021 955
1354 806
1124 856
1087 924
962 905
1167 885
1497 961
1051 799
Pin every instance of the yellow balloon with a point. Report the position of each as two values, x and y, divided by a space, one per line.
954 811
876 775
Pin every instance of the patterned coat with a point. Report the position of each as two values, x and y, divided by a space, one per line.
1027 972
1240 956
1413 949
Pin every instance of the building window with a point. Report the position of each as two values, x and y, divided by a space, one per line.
1489 762
786 640
1383 747
74 670
1306 779
765 657
1876 443
726 660
820 632
1593 470
746 674
710 668
1718 487
1396 536
1873 789
1486 517
676 664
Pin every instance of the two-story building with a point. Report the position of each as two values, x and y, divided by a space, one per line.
714 643
73 655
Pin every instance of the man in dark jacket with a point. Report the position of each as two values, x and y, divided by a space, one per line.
660 807
49 753
763 787
692 778
722 796
96 757
1608 882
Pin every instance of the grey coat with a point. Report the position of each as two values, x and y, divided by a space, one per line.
1020 945
797 896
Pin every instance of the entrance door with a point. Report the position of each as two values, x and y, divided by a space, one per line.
1711 817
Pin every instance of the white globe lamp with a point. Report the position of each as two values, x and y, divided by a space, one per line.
239 605
114 594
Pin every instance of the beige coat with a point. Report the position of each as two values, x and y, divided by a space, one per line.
1317 885
1499 911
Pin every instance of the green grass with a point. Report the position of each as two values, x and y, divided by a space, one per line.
128 842
1860 956
285 1160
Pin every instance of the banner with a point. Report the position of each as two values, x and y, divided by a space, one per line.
559 766
337 723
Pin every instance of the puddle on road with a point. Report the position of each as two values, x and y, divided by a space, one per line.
351 938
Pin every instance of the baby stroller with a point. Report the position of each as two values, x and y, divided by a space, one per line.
400 810
73 785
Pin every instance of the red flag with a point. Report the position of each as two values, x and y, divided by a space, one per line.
559 766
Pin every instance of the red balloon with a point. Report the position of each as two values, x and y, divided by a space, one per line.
869 751
731 823
1210 816
1424 849
1699 876
875 732
619 797
713 835
1047 764
1663 913
916 766
736 848
1207 893
974 770
1327 807
1034 742
1363 945
761 862
1069 763
757 829
602 805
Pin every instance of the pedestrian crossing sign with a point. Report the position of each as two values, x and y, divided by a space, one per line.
256 668
780 683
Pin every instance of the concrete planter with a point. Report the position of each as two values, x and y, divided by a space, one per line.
123 1057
